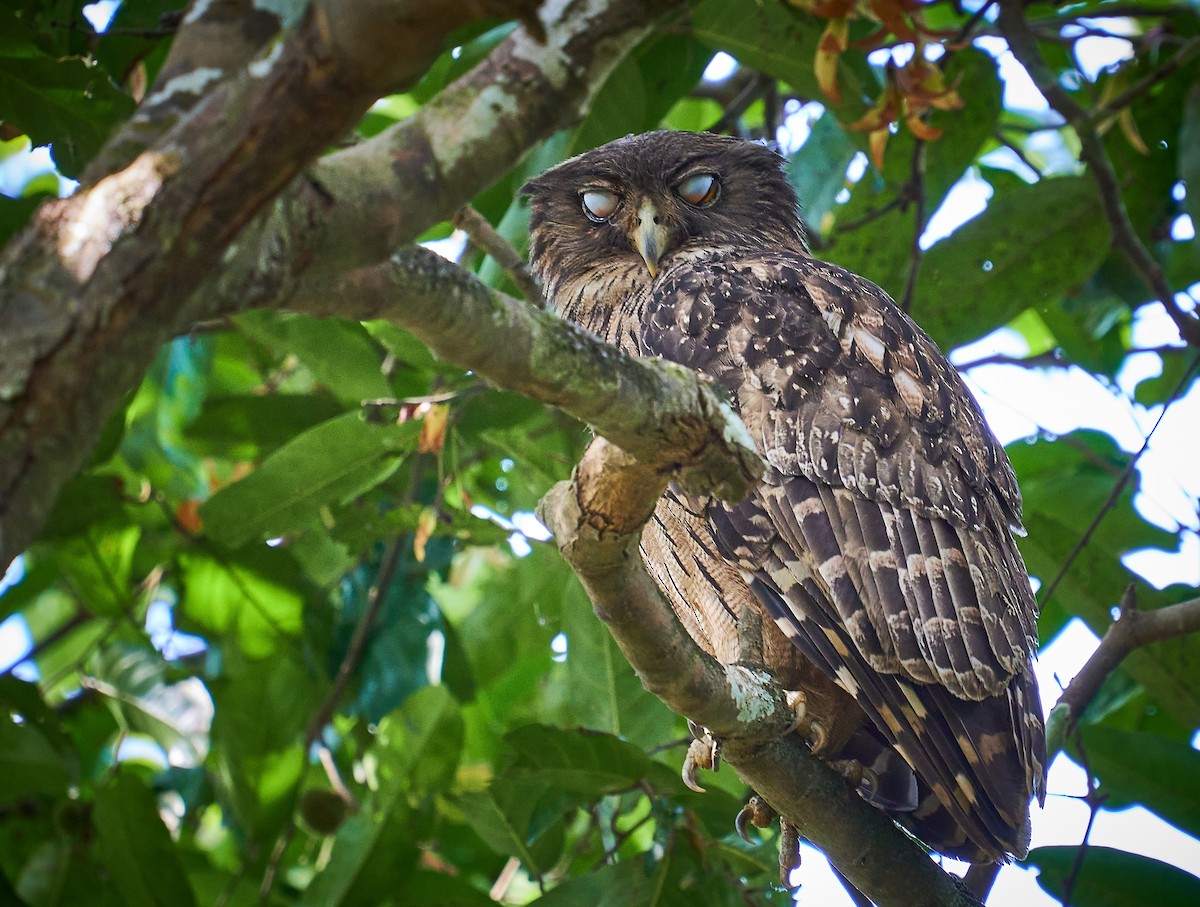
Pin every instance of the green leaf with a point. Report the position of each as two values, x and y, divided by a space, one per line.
603 692
328 464
1033 244
615 885
522 819
818 170
254 596
639 92
1114 878
136 846
249 426
578 761
372 852
1176 364
420 743
1066 483
257 762
342 355
64 103
1143 768
29 764
436 889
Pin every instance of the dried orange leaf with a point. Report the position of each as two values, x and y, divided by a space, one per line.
426 523
877 142
433 429
829 50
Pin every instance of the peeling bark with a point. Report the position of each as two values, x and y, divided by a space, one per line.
95 285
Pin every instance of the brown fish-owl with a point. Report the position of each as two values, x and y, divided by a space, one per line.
875 562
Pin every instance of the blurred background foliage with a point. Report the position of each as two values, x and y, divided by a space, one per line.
291 636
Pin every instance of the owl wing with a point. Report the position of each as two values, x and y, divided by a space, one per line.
880 540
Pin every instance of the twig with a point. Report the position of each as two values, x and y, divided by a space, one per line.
504 880
917 193
1023 43
324 712
1185 53
485 238
1051 359
1017 150
1094 803
76 620
900 201
739 105
620 837
1117 488
969 26
1132 629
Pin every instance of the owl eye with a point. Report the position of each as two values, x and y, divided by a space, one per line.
700 190
599 204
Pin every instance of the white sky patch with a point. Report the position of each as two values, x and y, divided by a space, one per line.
100 15
451 248
966 199
720 67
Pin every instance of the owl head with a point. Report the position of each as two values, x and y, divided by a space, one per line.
643 198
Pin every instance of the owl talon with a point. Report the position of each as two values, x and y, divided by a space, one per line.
814 732
864 779
789 851
703 753
756 812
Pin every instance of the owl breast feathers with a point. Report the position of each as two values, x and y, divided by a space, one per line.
877 555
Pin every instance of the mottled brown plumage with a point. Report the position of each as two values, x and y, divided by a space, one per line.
880 541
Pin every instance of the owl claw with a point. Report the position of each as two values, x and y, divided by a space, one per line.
814 732
703 753
756 812
864 779
789 851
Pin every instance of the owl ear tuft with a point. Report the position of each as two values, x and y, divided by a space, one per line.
532 186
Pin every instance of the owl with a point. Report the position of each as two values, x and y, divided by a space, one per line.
874 568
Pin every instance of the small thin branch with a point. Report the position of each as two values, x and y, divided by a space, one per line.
1023 43
917 193
1050 359
1115 105
486 238
505 879
971 24
1017 150
358 642
1094 802
1119 487
76 620
324 712
1132 630
900 201
753 90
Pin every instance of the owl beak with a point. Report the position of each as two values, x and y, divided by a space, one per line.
651 238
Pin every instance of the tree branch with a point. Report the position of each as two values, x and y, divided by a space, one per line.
488 241
1131 630
643 405
99 281
1023 43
